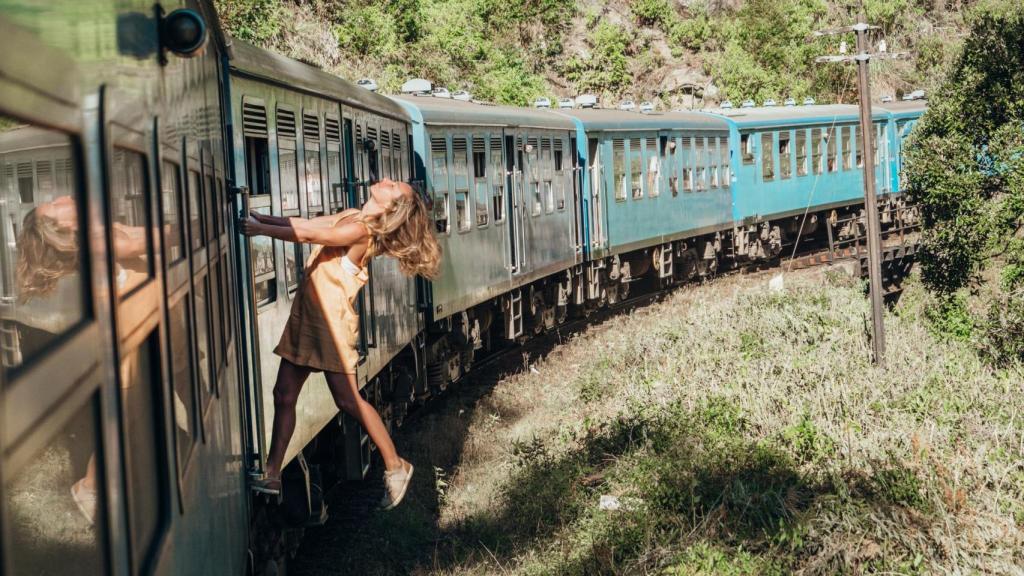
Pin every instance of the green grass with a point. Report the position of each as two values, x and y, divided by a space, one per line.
744 432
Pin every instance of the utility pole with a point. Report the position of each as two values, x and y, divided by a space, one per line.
863 58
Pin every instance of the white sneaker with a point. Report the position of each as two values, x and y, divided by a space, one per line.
85 499
396 483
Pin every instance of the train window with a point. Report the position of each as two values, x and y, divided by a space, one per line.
713 161
55 504
386 156
747 146
701 155
856 146
397 157
210 196
203 359
562 179
41 240
874 144
480 179
460 169
439 182
179 328
817 150
172 198
548 175
801 152
533 168
289 175
257 149
498 178
217 324
832 139
263 266
141 391
292 254
195 209
371 149
723 150
332 129
686 162
785 155
619 169
845 145
636 176
311 156
653 167
130 230
767 157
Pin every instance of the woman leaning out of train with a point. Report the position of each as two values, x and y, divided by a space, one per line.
322 330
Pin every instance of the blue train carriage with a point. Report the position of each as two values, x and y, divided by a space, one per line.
306 143
501 180
795 164
657 196
903 116
119 385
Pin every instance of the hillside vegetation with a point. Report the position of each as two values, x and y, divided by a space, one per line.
675 52
742 431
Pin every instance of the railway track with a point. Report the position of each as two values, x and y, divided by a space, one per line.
352 504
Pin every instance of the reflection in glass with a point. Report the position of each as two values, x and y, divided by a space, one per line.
290 277
41 289
56 504
140 394
289 180
194 215
170 188
128 203
181 374
203 359
314 195
262 257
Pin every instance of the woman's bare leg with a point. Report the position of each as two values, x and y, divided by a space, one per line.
346 396
290 379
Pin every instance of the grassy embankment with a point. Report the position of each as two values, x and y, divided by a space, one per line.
744 431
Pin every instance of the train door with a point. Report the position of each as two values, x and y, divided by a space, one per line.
516 203
597 239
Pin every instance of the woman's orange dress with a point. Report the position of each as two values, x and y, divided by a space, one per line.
323 328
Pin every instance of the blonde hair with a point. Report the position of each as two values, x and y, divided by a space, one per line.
46 253
403 232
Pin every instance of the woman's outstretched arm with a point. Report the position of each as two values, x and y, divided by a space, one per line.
295 221
347 234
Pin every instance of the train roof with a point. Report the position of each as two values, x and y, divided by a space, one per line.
450 112
904 109
621 120
795 115
250 61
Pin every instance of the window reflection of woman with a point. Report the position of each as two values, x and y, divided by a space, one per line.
322 331
48 276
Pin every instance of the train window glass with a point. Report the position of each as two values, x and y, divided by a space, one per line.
55 504
41 242
653 167
874 145
289 175
619 169
498 178
767 157
179 327
396 156
832 138
533 170
217 324
562 177
713 161
548 174
817 150
202 323
141 391
314 191
371 148
747 146
332 129
172 199
385 151
195 209
785 155
460 167
439 182
723 151
480 180
130 230
292 254
686 163
257 152
263 269
845 146
801 152
701 155
856 146
636 162
210 196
